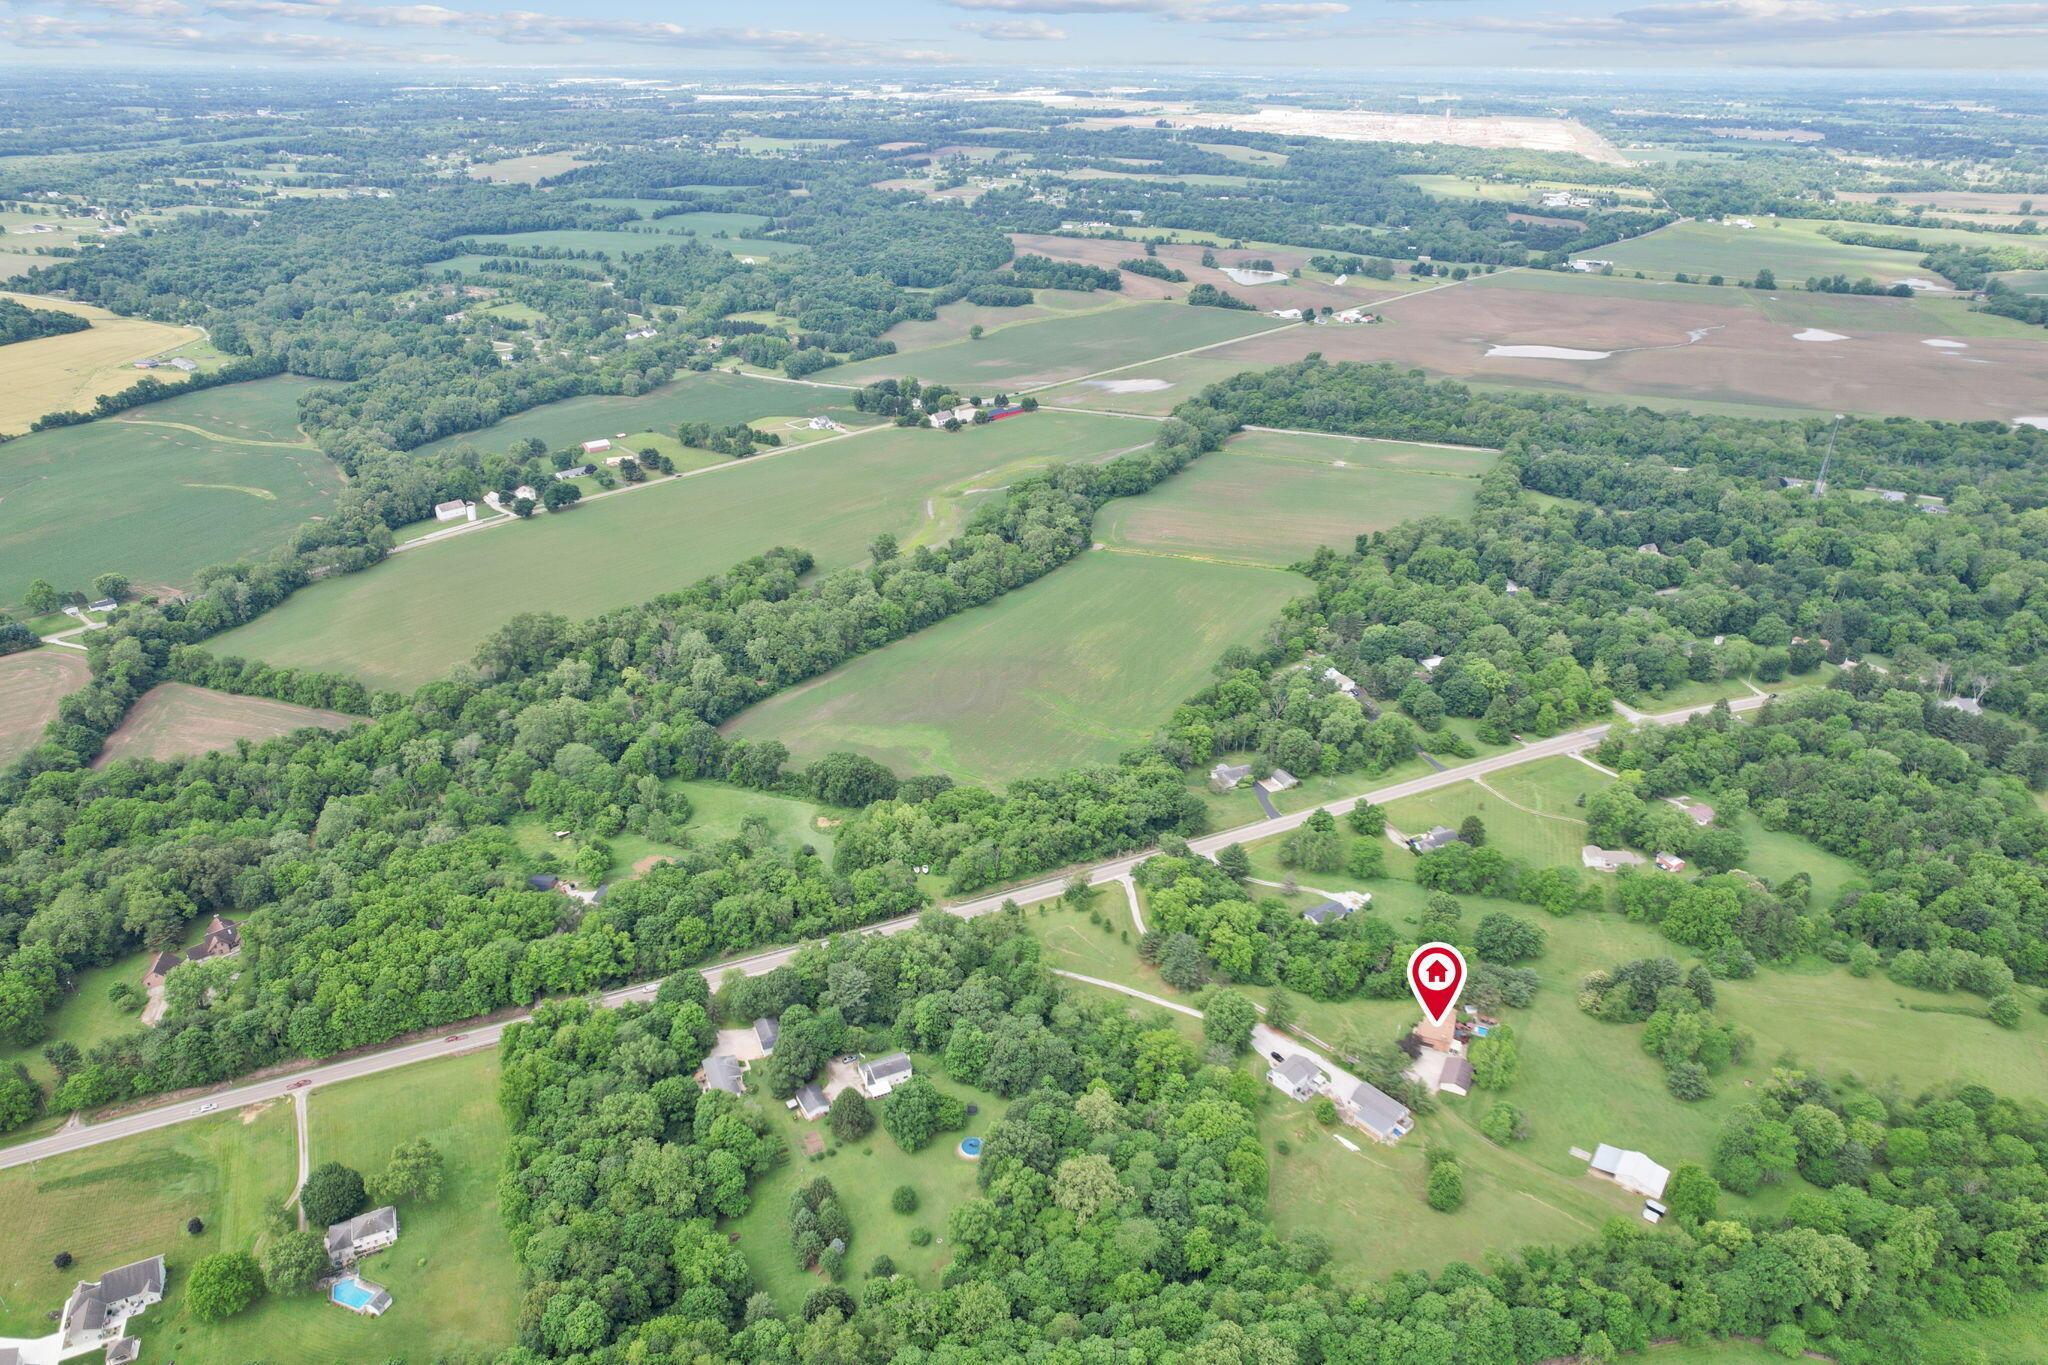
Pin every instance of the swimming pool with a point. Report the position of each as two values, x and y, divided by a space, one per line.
358 1295
971 1148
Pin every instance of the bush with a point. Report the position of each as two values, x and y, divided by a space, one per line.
920 1237
850 1118
1687 1081
2005 1011
62 1260
1325 1110
904 1200
195 1226
1504 1124
222 1285
1446 1187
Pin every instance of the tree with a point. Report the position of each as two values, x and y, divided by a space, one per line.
1472 830
1227 1019
333 1192
1233 859
1280 1010
414 1172
1181 964
1692 1194
20 1097
1446 1192
904 1200
41 598
522 507
1504 1123
1496 1060
222 1285
883 548
114 585
2004 1010
1315 846
1367 859
1765 279
850 1118
294 1261
917 1111
1506 938
974 332
560 493
1366 818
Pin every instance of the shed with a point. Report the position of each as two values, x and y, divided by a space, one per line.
1456 1076
767 1030
1629 1169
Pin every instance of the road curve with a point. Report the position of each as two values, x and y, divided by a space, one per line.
469 1038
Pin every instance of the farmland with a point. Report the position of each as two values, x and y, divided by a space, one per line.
1272 499
1793 250
422 613
162 491
651 234
173 720
66 373
1072 669
31 685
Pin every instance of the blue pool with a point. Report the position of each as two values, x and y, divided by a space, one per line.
352 1294
970 1148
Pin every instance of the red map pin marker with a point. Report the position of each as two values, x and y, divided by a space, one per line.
1436 973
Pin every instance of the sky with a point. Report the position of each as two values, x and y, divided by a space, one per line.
814 37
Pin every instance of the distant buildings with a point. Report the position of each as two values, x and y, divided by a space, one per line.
1969 706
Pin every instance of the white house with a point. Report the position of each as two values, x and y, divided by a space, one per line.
1297 1077
1608 859
883 1074
97 1309
455 510
362 1235
1631 1170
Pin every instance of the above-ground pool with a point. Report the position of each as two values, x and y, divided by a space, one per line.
971 1148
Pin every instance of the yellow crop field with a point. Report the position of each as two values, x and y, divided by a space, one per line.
52 374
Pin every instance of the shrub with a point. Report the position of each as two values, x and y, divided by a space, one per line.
1446 1187
1325 1110
850 1118
904 1200
1687 1081
62 1260
195 1226
294 1261
2005 1011
920 1237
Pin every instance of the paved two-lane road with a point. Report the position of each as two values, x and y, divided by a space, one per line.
467 1038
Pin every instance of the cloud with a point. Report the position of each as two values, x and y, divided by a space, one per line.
1725 23
1271 14
1014 30
1075 6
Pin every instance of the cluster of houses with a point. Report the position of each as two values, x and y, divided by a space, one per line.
1360 1104
737 1049
1614 859
1565 199
176 362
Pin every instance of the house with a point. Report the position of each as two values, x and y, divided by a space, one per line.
1512 588
1442 1036
962 414
1442 836
1378 1113
159 967
1631 1170
640 334
1344 684
97 1309
576 471
1228 775
1934 509
768 1030
1281 780
105 604
1291 314
178 362
1608 859
597 447
1700 813
1328 912
722 1073
810 1104
1456 1076
1670 862
526 490
223 939
1784 482
1650 548
1432 663
1969 706
880 1076
362 1235
1297 1077
542 881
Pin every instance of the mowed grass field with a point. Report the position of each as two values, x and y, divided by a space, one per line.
1061 348
1793 250
1272 498
1072 669
161 491
66 373
419 615
31 684
175 720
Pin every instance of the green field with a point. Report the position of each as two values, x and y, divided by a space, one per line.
1271 498
1793 250
865 1176
423 613
1062 348
162 491
1072 669
1529 192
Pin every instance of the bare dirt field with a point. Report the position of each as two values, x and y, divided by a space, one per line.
1696 345
1371 125
173 720
1952 201
31 685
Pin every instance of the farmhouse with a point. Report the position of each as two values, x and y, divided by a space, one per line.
1228 775
767 1030
1297 1077
962 414
810 1103
455 510
223 939
362 1235
576 471
1456 1076
1631 1170
722 1073
98 1310
1378 1113
1608 859
1700 813
1442 836
883 1074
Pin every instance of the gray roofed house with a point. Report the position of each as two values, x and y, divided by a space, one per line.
9 1356
113 1297
1378 1113
122 1352
1326 913
883 1074
723 1073
767 1030
361 1235
1228 775
542 881
1456 1076
1442 836
1281 780
1298 1076
1969 706
810 1103
575 471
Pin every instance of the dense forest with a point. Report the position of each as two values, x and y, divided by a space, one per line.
19 322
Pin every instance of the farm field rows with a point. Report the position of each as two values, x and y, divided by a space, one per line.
1072 669
1793 249
162 491
67 373
174 720
422 613
32 682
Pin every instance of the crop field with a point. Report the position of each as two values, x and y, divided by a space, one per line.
526 170
2025 281
1669 342
119 1202
1072 669
954 320
66 373
421 614
161 491
1272 499
1064 347
1309 291
1793 250
175 720
31 684
715 397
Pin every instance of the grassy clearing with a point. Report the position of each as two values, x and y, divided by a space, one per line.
84 1016
1063 348
527 170
174 720
66 373
117 1203
865 1175
1272 499
424 612
162 492
1518 192
1072 669
1793 250
717 811
31 685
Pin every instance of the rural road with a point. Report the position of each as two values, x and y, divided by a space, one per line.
471 1038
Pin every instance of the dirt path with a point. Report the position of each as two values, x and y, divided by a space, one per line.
1502 796
301 1101
214 435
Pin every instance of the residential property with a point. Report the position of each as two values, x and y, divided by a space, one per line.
883 1074
1328 912
98 1310
1291 314
1890 494
962 414
1670 862
576 471
1608 859
597 447
1631 1170
1969 706
223 939
1649 548
455 510
526 490
810 1104
1513 589
178 362
722 1073
1700 813
1344 683
363 1235
105 604
767 1030
1281 780
1432 663
542 881
1297 1077
1385 1118
1228 775
1442 1036
1442 836
1456 1077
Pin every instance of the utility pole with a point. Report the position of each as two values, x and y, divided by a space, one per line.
1820 485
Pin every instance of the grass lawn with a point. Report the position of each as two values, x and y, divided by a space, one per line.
865 1175
1072 669
160 492
1064 347
717 811
419 615
122 1201
1270 498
